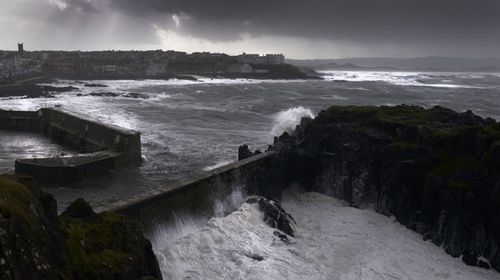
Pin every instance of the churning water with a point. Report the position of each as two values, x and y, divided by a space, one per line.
190 127
333 241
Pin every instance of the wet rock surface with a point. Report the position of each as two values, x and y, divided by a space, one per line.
37 244
95 85
274 215
244 152
33 90
437 171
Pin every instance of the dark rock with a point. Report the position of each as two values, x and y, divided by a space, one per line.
31 246
135 95
80 244
470 258
105 94
95 85
51 89
244 152
282 237
107 246
430 235
79 209
274 215
483 264
437 171
256 257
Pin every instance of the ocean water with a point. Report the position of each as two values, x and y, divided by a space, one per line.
333 241
190 127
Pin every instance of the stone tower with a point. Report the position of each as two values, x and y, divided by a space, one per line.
20 48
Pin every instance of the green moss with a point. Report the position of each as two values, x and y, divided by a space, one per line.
459 185
449 164
491 131
16 199
436 121
406 145
96 245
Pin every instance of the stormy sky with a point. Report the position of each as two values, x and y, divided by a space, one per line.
297 28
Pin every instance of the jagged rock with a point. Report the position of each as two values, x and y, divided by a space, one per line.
37 244
107 246
31 245
244 152
274 215
79 209
437 171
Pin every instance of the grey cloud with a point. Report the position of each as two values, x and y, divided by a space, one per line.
450 27
358 20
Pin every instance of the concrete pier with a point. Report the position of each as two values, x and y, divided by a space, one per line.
102 147
196 195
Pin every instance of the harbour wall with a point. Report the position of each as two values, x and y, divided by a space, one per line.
203 196
102 146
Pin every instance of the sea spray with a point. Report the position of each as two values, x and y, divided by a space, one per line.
286 121
332 241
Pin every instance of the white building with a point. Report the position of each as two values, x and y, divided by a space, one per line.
240 68
275 59
258 59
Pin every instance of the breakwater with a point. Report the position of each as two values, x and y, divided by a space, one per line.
198 195
100 147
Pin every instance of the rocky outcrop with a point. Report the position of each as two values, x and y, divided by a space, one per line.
437 171
274 215
244 152
80 244
31 245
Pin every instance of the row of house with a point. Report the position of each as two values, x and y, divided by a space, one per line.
259 59
138 63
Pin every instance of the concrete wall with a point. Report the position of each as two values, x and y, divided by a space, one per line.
116 146
196 195
52 173
19 120
76 129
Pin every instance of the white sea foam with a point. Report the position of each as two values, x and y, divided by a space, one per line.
395 78
332 241
286 121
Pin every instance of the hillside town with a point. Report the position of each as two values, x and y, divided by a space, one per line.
21 64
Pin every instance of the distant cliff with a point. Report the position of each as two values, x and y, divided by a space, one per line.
437 171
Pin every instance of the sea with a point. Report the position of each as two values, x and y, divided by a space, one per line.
191 127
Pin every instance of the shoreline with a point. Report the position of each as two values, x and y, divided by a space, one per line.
34 88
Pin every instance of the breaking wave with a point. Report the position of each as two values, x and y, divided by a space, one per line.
413 79
332 241
286 121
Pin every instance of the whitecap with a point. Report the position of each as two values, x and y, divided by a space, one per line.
286 121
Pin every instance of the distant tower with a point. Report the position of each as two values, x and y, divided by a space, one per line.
20 48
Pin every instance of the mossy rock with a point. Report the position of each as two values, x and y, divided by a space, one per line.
447 164
79 209
16 199
30 242
437 121
106 246
36 244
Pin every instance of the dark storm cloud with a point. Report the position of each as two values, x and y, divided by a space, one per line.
317 28
366 21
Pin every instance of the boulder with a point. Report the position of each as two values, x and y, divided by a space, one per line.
274 215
